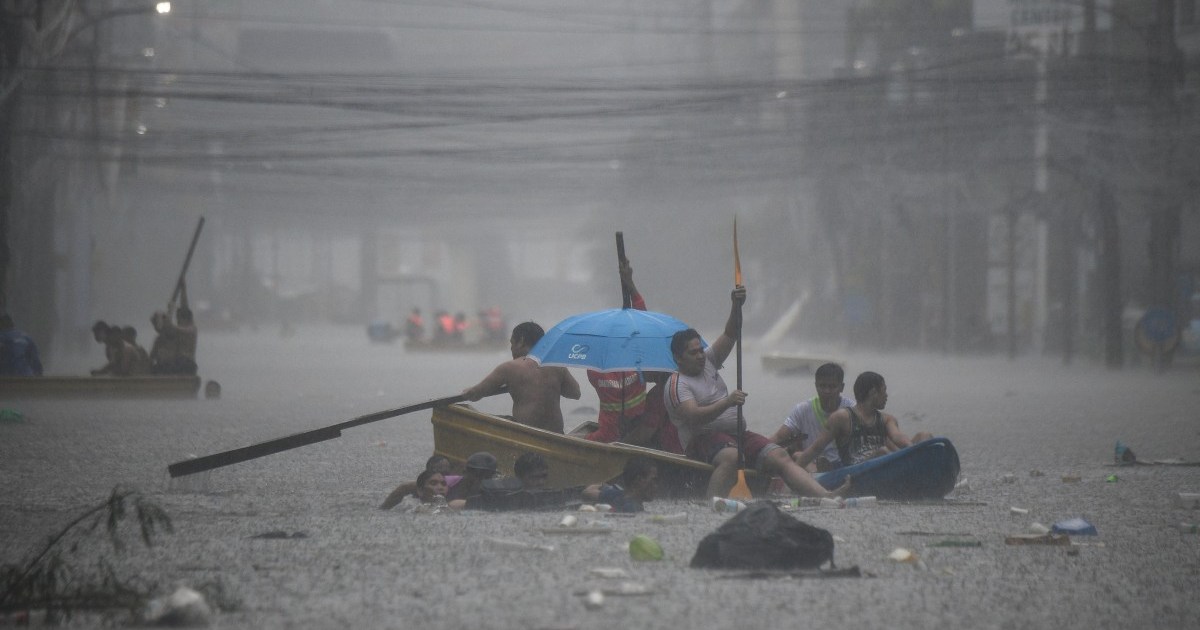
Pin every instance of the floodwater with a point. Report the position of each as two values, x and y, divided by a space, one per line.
357 566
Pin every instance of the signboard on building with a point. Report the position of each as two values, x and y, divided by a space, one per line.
1048 27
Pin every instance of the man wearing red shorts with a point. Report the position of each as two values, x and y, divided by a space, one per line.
705 414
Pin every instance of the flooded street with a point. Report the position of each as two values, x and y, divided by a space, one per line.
358 566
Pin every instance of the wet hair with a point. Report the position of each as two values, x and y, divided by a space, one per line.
130 333
865 383
99 327
830 372
680 340
635 468
528 463
528 332
184 314
423 478
114 333
433 461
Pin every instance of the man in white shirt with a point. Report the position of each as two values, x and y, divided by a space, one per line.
810 417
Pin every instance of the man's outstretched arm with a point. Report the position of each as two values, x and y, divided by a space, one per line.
491 384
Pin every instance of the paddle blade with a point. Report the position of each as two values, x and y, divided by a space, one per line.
740 491
737 260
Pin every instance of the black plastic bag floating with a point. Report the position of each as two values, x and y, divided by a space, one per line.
763 537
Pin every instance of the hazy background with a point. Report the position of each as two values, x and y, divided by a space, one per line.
990 177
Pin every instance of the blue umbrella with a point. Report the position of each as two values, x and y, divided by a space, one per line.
614 340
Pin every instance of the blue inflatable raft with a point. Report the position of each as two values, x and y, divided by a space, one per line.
927 470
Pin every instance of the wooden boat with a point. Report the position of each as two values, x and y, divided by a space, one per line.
99 387
787 363
411 345
460 430
926 470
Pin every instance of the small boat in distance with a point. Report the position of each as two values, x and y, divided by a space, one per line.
483 345
116 387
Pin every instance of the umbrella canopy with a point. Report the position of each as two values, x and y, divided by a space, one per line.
614 340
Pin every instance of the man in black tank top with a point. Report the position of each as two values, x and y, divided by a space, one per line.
862 432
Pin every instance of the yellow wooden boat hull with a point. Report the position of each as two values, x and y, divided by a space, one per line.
120 387
460 430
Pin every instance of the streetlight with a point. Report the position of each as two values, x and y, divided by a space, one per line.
163 7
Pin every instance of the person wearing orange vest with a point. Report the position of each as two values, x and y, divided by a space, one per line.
445 330
624 413
460 327
414 326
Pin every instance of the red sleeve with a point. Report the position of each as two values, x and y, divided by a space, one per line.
638 302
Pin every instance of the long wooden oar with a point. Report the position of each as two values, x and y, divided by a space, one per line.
740 490
296 440
187 261
626 295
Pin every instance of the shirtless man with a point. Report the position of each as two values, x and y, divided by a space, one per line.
862 432
174 349
122 357
535 390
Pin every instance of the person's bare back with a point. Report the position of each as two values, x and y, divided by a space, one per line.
535 390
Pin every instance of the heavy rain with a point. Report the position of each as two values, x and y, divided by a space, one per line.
989 203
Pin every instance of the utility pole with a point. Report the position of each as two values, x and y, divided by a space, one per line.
10 52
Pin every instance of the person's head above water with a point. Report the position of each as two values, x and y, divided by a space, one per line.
430 483
532 470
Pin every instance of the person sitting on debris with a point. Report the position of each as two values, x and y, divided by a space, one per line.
810 417
436 463
862 432
639 483
18 352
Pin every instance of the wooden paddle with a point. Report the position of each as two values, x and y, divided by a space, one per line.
740 490
626 294
304 438
187 261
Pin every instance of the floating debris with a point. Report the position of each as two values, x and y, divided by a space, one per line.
609 572
1038 539
517 545
278 534
1074 527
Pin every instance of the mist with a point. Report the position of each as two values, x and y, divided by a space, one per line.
961 178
